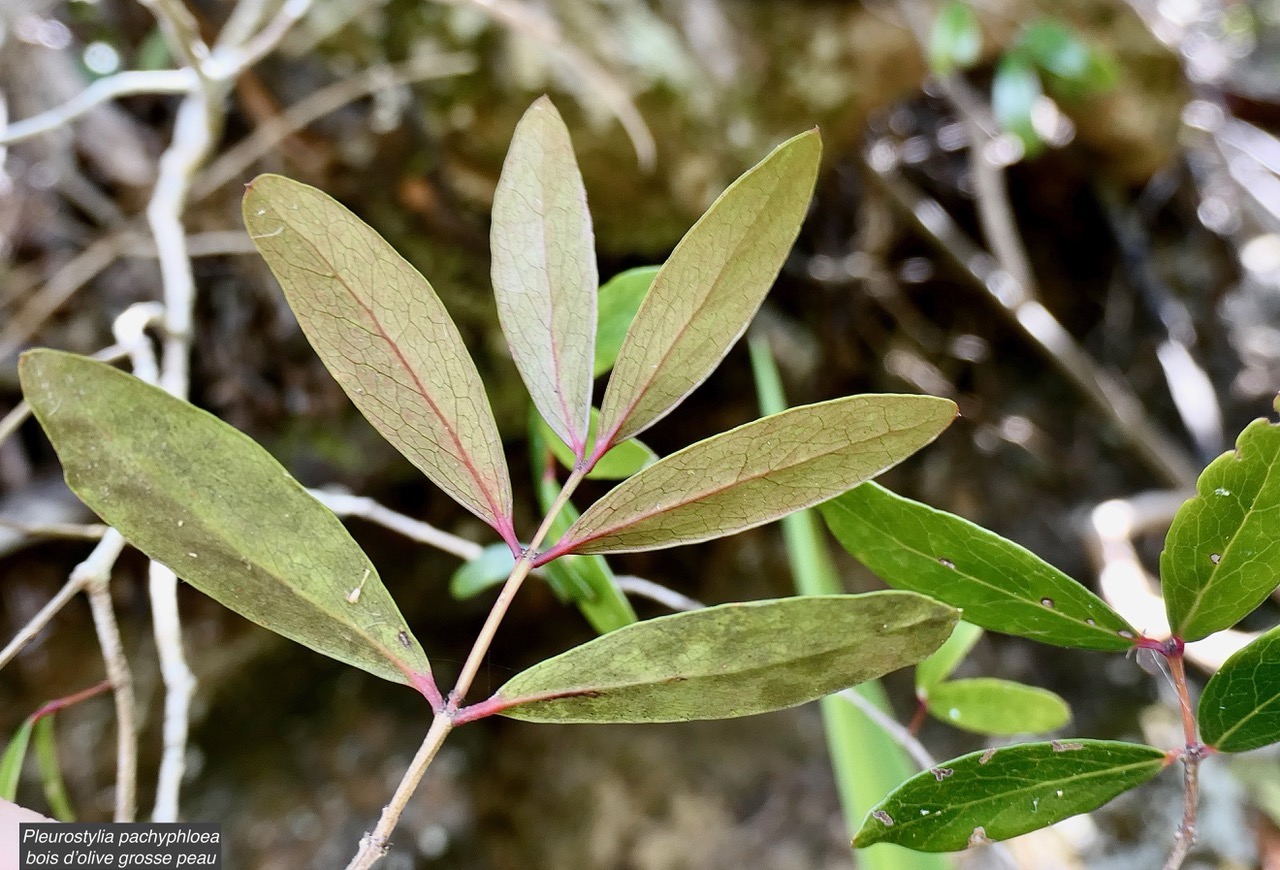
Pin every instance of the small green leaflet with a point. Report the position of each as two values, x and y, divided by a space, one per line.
387 340
941 664
15 753
955 42
489 569
207 501
1057 49
999 585
618 464
618 303
758 472
1001 793
990 706
1221 557
731 660
1240 707
706 293
544 271
1014 92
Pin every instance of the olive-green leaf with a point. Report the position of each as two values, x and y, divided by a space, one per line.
1001 793
941 664
618 302
955 41
706 293
1221 557
989 706
489 569
207 501
759 472
731 660
45 745
544 271
999 585
1240 707
385 336
618 464
15 753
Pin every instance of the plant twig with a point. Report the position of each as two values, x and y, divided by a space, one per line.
665 596
1191 756
345 505
104 90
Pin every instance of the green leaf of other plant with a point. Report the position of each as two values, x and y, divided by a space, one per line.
202 498
618 302
55 789
1001 793
618 464
1240 707
1221 557
1014 92
544 271
990 706
386 338
1057 49
759 472
999 585
15 753
941 664
956 39
489 569
709 289
731 660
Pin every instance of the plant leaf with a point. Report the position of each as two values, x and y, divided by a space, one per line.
731 660
55 789
1056 48
204 499
999 585
618 302
382 332
955 42
709 289
1240 707
990 706
1001 793
1014 92
1221 557
11 762
943 663
491 568
759 472
618 464
544 271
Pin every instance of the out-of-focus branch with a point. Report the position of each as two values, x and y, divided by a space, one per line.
104 90
345 505
665 596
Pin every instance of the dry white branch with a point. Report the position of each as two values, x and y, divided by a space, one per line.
113 87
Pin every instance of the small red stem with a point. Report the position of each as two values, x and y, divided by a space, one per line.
918 718
62 703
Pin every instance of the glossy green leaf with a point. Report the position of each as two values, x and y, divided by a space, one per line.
15 753
990 706
731 660
1014 92
55 789
999 585
706 293
618 464
943 663
1221 557
544 271
1240 707
202 498
955 42
618 303
1001 793
385 336
759 472
491 568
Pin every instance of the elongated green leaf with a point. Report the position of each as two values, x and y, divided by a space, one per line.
1014 92
385 336
487 570
955 42
999 585
941 664
1221 557
731 660
1240 707
618 464
618 303
1077 67
990 706
15 753
759 472
707 292
55 789
544 271
1001 793
202 498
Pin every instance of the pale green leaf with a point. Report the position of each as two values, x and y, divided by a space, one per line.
1240 707
941 664
544 271
731 660
709 289
999 585
618 464
489 569
759 472
15 753
1221 557
202 498
55 789
618 302
1001 793
1014 92
955 42
989 706
385 336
